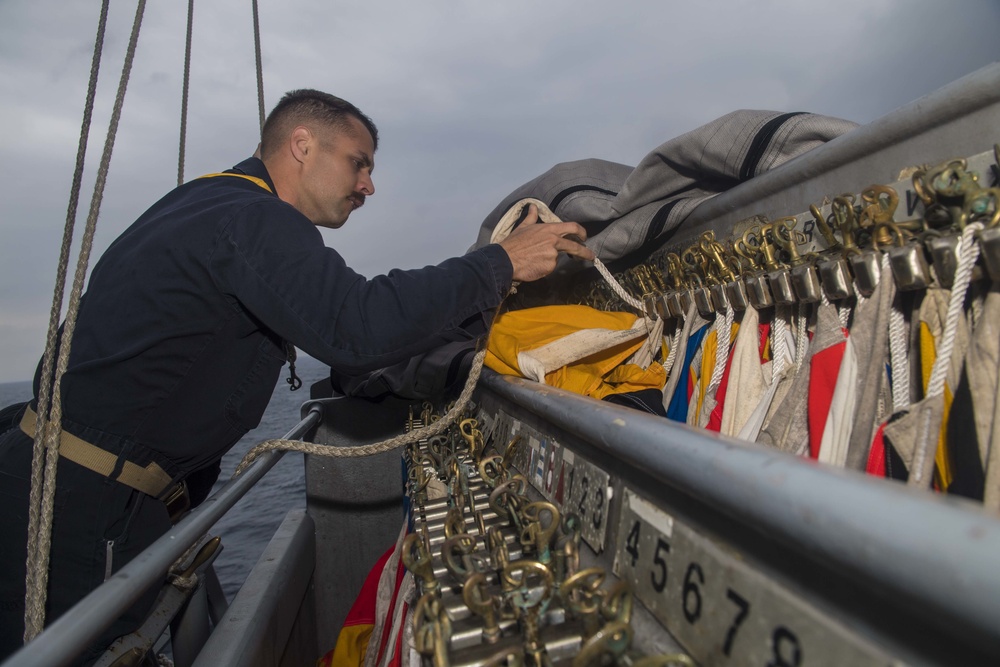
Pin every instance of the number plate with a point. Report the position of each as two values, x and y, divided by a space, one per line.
589 497
719 608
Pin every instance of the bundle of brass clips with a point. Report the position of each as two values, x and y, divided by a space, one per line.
831 252
498 575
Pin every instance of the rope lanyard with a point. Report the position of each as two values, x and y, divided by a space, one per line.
968 253
44 395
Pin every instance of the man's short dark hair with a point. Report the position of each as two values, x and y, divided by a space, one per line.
299 106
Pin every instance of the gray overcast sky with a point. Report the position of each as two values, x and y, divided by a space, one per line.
471 98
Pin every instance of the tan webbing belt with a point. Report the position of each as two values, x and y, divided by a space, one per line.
151 480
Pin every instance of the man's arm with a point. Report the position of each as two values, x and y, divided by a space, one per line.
276 266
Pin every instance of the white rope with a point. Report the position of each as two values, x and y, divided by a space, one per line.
618 289
801 336
844 313
672 348
899 351
779 344
976 309
724 329
415 435
968 253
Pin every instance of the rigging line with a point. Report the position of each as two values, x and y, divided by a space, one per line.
36 612
48 357
184 95
260 69
618 289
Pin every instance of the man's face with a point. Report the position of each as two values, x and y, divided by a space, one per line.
337 178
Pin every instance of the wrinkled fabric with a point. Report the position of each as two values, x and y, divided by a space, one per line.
970 422
355 634
709 357
715 418
678 408
751 428
824 371
919 436
788 428
917 426
692 322
840 422
630 210
933 317
711 399
647 400
876 454
748 378
870 340
597 374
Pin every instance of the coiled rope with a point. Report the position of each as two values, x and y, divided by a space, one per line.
429 431
49 426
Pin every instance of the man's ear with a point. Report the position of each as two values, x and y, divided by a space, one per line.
302 143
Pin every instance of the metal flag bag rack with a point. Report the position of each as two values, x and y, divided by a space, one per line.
571 531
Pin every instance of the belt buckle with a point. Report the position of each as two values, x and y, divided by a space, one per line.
177 501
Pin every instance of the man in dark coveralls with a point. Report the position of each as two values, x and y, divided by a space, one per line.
184 328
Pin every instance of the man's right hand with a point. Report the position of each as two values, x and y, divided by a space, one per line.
534 247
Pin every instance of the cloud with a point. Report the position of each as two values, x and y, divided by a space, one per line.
472 99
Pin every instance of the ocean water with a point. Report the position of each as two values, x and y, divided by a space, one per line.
249 525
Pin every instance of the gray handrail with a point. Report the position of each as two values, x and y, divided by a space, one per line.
60 643
939 552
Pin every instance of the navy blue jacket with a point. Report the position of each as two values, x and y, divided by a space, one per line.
179 340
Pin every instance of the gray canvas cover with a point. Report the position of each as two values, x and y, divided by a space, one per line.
631 211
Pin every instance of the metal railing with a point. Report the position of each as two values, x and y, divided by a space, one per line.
938 552
62 641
